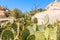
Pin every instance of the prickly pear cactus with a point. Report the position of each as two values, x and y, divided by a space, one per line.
46 19
58 33
35 20
52 33
14 26
32 29
7 35
39 36
41 28
25 34
46 33
31 37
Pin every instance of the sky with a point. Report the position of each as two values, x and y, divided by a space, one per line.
25 5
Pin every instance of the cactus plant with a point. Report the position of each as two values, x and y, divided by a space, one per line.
31 37
46 33
32 29
41 28
39 36
7 35
52 33
14 26
25 34
58 33
46 19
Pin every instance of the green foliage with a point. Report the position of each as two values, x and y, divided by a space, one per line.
32 29
50 25
46 33
7 35
52 33
7 14
21 27
41 28
31 37
46 19
25 34
41 10
1 29
35 20
14 26
17 13
58 33
39 36
27 29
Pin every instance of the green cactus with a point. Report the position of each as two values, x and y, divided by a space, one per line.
1 29
14 26
41 28
7 35
25 34
39 36
46 33
35 21
52 33
31 37
46 19
58 33
32 29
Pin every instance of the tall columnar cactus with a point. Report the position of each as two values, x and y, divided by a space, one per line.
39 36
25 34
7 35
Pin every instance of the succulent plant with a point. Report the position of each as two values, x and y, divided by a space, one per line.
58 33
52 33
39 36
46 19
25 34
32 29
41 28
31 37
14 26
7 35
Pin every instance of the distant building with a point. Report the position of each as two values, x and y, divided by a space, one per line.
53 12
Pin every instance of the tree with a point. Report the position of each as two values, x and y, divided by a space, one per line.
17 13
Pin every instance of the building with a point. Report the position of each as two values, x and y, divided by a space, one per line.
53 12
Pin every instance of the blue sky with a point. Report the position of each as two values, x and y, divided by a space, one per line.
24 5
